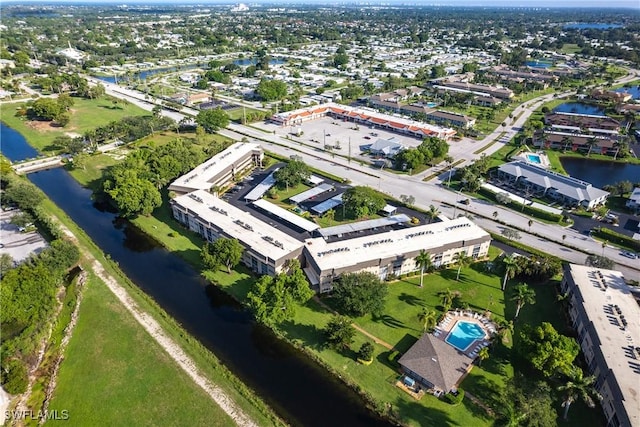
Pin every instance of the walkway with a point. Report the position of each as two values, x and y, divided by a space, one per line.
358 328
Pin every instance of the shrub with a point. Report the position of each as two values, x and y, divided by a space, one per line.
365 354
454 399
615 237
414 220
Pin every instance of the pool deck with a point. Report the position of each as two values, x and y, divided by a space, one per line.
447 324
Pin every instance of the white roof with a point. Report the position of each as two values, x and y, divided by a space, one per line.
238 224
312 192
331 203
354 227
201 177
345 253
259 190
614 341
315 180
286 215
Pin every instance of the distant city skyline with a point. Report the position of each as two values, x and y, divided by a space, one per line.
634 4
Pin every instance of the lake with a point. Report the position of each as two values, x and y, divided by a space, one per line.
580 108
600 172
591 26
297 388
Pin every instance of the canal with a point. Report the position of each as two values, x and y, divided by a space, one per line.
298 389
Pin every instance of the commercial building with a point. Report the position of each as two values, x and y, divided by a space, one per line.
266 248
607 319
221 169
364 117
543 183
393 252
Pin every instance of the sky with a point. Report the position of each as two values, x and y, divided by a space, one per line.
635 4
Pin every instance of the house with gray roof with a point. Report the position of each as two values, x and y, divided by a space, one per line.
386 147
434 364
543 183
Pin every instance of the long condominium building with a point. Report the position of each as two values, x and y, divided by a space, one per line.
221 169
266 247
607 320
392 252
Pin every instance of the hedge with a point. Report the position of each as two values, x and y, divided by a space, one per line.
454 399
529 210
615 237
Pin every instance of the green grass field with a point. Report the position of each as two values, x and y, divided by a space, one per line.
570 48
90 175
86 114
128 378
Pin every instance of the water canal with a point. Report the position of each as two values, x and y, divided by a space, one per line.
297 388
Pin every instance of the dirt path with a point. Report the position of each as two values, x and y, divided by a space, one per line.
175 352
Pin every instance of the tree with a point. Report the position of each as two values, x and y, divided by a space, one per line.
361 293
591 142
578 386
329 215
428 319
407 199
362 201
510 268
222 251
525 402
274 299
292 174
410 158
366 352
547 350
131 193
339 333
522 295
14 377
423 261
447 299
599 261
483 354
432 213
461 259
212 120
6 263
271 90
511 234
24 194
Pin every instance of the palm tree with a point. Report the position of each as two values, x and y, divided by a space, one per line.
428 319
483 354
578 386
461 259
449 161
330 215
447 299
423 260
510 269
566 141
432 213
522 295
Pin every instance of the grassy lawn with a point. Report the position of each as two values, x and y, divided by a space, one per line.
130 375
86 114
164 137
90 175
570 48
237 113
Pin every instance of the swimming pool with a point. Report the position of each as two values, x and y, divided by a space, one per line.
464 334
533 158
432 104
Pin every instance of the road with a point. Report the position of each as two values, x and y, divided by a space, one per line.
542 236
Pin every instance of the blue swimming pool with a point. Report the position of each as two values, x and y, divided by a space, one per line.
464 334
533 158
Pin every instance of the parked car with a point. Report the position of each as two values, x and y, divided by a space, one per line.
629 254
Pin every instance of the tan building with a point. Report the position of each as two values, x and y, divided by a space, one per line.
392 252
606 317
221 169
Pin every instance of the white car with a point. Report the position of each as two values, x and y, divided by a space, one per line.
629 254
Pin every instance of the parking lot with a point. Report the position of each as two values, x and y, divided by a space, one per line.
17 244
339 135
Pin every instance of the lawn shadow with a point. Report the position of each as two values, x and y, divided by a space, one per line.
389 321
383 358
488 391
411 300
405 343
308 335
409 411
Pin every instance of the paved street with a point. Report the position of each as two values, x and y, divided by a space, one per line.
545 237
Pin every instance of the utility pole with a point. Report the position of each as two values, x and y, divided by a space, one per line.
349 158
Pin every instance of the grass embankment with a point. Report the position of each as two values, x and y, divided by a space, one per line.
86 114
131 377
204 360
